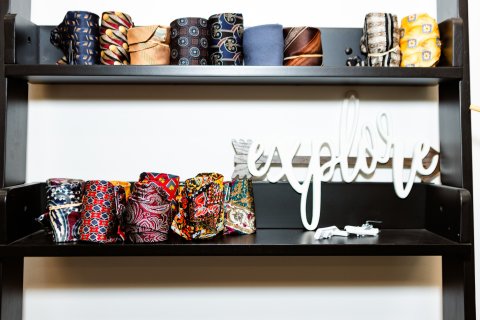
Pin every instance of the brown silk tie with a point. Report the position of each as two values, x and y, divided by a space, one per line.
303 46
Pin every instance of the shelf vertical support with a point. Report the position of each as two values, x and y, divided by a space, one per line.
456 168
13 142
458 288
13 109
11 288
454 103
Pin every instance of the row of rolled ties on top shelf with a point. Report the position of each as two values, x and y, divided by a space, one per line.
109 211
222 40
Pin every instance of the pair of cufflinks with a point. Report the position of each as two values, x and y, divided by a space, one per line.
366 229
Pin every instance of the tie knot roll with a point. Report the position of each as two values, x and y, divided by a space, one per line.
149 45
149 210
78 38
201 211
189 41
103 205
226 39
168 182
64 200
239 207
303 46
420 41
380 40
113 38
263 45
125 185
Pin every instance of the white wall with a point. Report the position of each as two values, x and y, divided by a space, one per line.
129 118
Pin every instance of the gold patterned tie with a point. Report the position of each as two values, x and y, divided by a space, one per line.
420 41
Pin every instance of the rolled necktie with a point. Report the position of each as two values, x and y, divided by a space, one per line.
102 205
226 39
125 185
149 45
167 182
263 45
64 201
420 41
189 42
201 212
303 47
121 205
148 214
78 37
239 207
380 40
113 38
180 223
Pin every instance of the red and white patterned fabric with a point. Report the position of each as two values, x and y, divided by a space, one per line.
102 206
149 208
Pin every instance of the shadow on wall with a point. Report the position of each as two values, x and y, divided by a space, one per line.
240 272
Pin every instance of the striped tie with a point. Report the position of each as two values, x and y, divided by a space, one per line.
303 46
380 40
113 38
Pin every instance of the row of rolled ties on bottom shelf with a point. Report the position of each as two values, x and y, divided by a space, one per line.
111 211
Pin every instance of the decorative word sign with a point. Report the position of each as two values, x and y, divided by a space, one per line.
351 137
240 162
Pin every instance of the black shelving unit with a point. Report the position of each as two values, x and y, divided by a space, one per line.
433 220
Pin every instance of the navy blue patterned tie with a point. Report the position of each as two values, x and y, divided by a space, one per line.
226 39
78 37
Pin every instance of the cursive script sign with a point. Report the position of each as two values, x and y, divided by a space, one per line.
351 137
